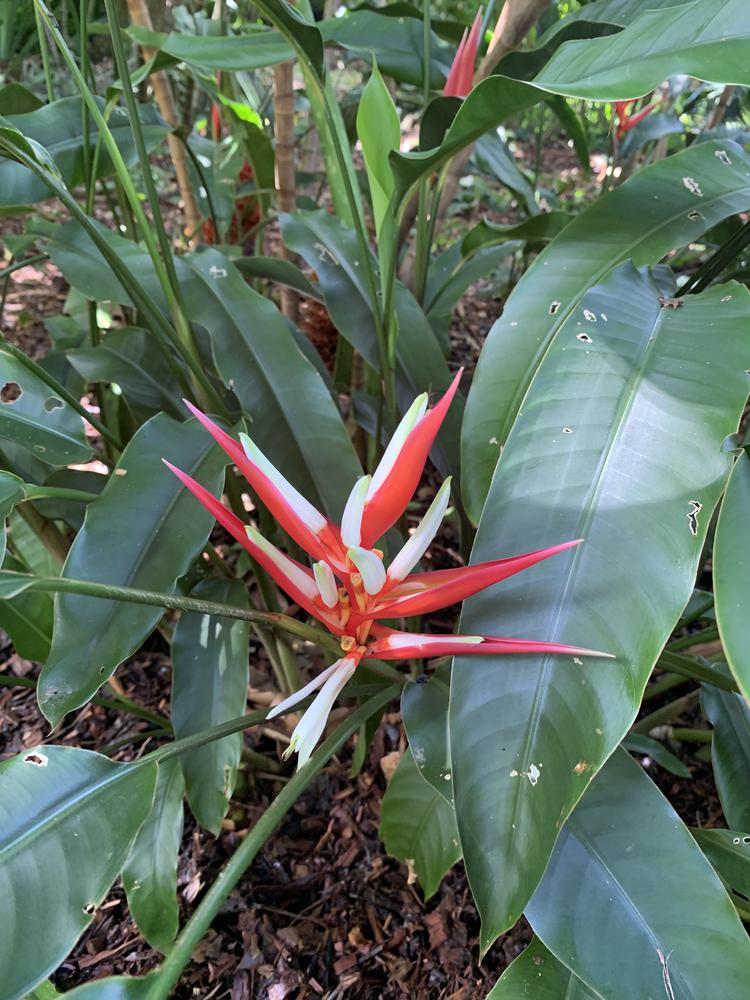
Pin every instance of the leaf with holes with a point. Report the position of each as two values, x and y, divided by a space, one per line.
149 874
615 386
209 686
731 573
729 714
418 826
729 853
537 974
33 416
67 820
662 207
144 531
628 929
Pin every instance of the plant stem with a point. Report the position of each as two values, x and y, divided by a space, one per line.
694 639
663 685
686 735
44 52
688 666
26 262
665 713
204 915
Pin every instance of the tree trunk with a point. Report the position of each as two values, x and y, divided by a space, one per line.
140 16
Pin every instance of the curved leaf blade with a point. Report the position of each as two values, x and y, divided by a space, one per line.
706 41
631 930
418 826
731 573
424 709
729 853
537 973
532 731
150 871
649 215
729 714
67 819
144 531
209 686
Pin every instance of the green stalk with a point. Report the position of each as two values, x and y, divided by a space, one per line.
60 390
686 735
180 955
183 338
664 684
26 262
44 51
694 639
715 264
57 493
688 666
422 248
665 713
133 595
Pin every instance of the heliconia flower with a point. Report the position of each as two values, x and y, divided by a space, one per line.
625 121
349 588
461 75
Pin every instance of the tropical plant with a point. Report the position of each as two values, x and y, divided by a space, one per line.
602 427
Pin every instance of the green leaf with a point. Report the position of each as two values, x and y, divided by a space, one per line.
729 853
708 42
418 826
293 418
38 419
731 573
27 618
144 531
639 744
114 988
67 820
379 132
630 929
45 991
531 731
11 492
539 228
283 272
15 99
304 37
150 871
653 127
493 157
537 974
129 357
332 250
58 127
653 212
486 107
729 714
209 686
424 709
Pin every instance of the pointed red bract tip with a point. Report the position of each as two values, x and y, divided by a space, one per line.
389 502
461 76
451 88
393 645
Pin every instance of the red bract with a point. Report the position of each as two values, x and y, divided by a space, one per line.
625 121
349 589
461 76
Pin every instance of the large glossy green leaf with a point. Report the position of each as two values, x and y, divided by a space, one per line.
149 874
292 416
424 709
332 250
129 357
616 12
59 128
630 902
729 853
209 686
538 975
709 41
379 131
731 573
37 418
67 820
144 531
729 714
486 107
418 826
653 212
591 456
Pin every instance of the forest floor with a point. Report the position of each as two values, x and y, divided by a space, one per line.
323 912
